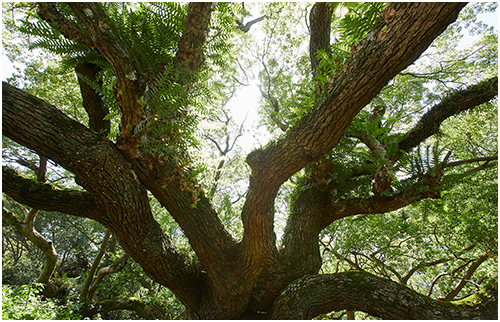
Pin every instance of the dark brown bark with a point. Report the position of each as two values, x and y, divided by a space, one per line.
46 197
121 200
299 252
313 295
455 103
321 20
92 100
372 65
116 177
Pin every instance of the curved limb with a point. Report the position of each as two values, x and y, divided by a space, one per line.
312 295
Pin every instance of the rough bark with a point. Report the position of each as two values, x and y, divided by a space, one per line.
130 82
453 104
321 20
373 64
116 177
46 197
313 295
121 200
190 55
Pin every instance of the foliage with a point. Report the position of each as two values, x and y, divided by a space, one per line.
429 245
23 303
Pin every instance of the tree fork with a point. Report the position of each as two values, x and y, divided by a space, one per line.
99 167
378 59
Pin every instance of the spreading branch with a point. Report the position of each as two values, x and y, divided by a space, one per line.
379 203
246 27
103 171
46 197
450 296
313 295
131 303
453 104
26 228
84 294
103 272
320 131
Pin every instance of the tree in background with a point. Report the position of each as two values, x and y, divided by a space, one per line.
382 127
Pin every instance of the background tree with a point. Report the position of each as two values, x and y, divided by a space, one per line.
362 132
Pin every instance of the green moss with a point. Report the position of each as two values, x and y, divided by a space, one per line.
490 290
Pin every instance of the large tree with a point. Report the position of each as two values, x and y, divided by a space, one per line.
142 68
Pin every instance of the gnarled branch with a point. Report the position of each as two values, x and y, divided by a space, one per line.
130 83
131 303
46 246
312 295
121 200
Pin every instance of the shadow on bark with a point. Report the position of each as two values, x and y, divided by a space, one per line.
313 295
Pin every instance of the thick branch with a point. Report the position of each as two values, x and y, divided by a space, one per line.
455 103
48 12
317 294
190 55
130 83
373 64
121 199
45 197
378 204
320 19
